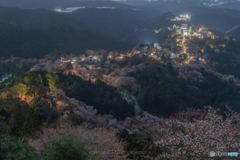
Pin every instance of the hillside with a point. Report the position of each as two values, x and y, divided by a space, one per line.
89 18
88 28
35 43
119 81
234 32
57 107
52 4
107 21
215 21
39 18
231 5
222 19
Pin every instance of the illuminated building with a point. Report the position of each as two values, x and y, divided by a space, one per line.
183 29
65 60
58 10
157 31
173 55
156 45
74 60
182 17
212 46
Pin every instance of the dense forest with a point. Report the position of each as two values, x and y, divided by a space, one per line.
163 94
142 99
103 97
225 61
62 147
21 118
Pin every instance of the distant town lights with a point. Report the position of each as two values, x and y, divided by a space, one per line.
58 10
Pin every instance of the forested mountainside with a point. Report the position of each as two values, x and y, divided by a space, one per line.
234 32
93 28
41 31
35 43
72 97
212 17
119 82
52 4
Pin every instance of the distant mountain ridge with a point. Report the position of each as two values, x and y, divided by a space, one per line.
234 28
117 25
35 43
231 5
222 19
234 32
51 4
39 18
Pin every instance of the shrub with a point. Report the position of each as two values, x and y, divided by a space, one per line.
64 148
69 66
77 121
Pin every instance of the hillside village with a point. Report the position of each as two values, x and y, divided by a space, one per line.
182 17
103 80
182 48
185 49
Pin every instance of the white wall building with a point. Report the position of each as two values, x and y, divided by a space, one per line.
183 29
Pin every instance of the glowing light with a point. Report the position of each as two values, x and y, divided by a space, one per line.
58 10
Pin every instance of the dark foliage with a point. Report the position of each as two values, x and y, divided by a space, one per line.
135 142
35 43
35 33
227 59
24 119
163 94
37 82
103 97
69 67
44 110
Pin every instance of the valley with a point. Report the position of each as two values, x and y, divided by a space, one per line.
119 83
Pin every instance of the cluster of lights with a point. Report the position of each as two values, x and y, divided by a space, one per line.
219 2
58 10
216 4
182 17
70 10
